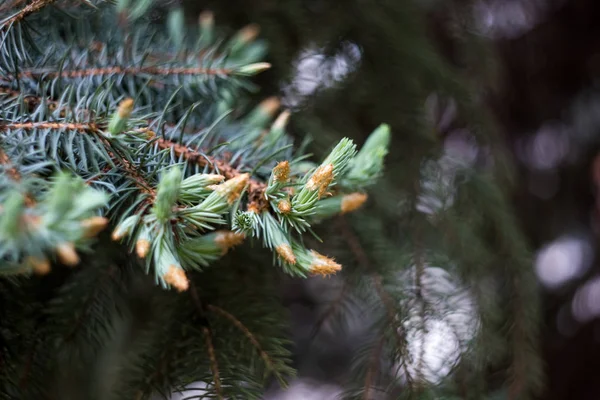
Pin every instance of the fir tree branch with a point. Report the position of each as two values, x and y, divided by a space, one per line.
214 366
238 324
10 169
12 4
213 362
117 70
255 188
361 256
14 174
29 9
420 270
373 368
89 301
83 128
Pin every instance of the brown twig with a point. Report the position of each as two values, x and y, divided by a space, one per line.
214 367
28 9
362 258
333 306
255 189
238 324
11 4
84 128
373 368
14 174
79 73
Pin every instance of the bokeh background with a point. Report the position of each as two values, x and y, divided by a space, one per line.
343 66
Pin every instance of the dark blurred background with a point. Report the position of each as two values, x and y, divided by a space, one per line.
344 66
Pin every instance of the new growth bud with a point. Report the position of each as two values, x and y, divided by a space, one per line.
231 189
125 227
40 266
286 253
253 69
263 113
93 226
206 19
322 265
353 201
281 172
142 247
284 206
118 123
281 121
125 108
321 179
67 255
166 194
227 240
177 278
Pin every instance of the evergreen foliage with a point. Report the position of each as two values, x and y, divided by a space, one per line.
112 118
109 119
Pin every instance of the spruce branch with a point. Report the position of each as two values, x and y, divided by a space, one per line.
373 368
118 70
391 310
238 324
33 7
214 366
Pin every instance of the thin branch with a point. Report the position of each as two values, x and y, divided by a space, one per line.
333 306
29 9
14 174
373 368
420 271
12 4
214 367
87 128
361 256
117 70
255 189
108 275
249 335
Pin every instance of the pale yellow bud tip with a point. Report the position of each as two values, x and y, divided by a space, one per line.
206 18
67 255
214 178
281 120
353 202
142 247
281 172
40 266
321 179
232 188
119 233
228 239
284 206
176 277
249 33
125 108
270 105
322 265
286 253
94 225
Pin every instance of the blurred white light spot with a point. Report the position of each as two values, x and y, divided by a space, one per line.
586 302
438 178
437 343
510 18
547 148
566 258
315 70
305 389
